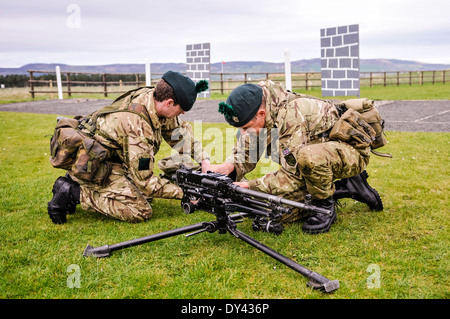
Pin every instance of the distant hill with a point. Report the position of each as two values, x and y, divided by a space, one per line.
307 65
109 68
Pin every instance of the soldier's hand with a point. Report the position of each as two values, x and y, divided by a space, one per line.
224 168
206 166
241 184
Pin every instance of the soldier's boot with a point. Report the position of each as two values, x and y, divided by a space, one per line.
317 223
66 196
358 188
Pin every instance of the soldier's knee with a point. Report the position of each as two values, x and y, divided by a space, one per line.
131 212
135 217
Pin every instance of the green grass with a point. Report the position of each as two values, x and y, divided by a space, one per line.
14 95
408 241
426 91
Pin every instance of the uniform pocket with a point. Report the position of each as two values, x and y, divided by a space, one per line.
352 129
143 166
63 147
90 164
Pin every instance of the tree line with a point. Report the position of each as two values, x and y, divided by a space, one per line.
21 80
14 80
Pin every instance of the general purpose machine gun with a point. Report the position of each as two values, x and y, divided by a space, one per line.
217 194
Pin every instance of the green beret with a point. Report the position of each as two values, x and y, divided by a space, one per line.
185 89
242 104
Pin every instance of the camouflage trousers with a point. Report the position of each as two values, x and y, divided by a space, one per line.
121 199
317 167
321 164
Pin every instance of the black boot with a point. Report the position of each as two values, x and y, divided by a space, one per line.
318 223
358 188
66 196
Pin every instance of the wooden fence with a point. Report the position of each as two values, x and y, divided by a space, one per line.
219 82
402 77
45 86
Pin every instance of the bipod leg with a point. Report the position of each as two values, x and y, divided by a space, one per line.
105 251
317 281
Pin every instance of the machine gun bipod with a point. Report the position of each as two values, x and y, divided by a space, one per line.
224 223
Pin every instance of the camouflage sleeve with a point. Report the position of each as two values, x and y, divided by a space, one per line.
303 120
245 155
278 183
293 133
180 136
136 139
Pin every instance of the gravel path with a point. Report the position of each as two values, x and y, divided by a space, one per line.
412 116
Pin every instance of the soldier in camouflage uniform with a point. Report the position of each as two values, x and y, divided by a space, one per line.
310 160
131 130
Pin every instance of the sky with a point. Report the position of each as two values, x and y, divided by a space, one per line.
99 32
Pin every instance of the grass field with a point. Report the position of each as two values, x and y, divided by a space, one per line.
399 253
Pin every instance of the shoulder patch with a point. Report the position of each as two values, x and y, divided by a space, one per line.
144 164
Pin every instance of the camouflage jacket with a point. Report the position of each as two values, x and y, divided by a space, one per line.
136 138
292 121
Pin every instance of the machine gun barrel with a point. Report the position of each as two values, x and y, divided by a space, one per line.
270 198
278 200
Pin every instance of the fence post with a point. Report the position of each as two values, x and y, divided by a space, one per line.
410 78
398 78
306 81
50 85
105 92
245 78
31 84
221 83
443 77
434 74
371 80
58 81
384 78
68 84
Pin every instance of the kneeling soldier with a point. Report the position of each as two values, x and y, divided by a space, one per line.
319 143
109 156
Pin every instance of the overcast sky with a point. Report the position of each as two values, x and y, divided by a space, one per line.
91 32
